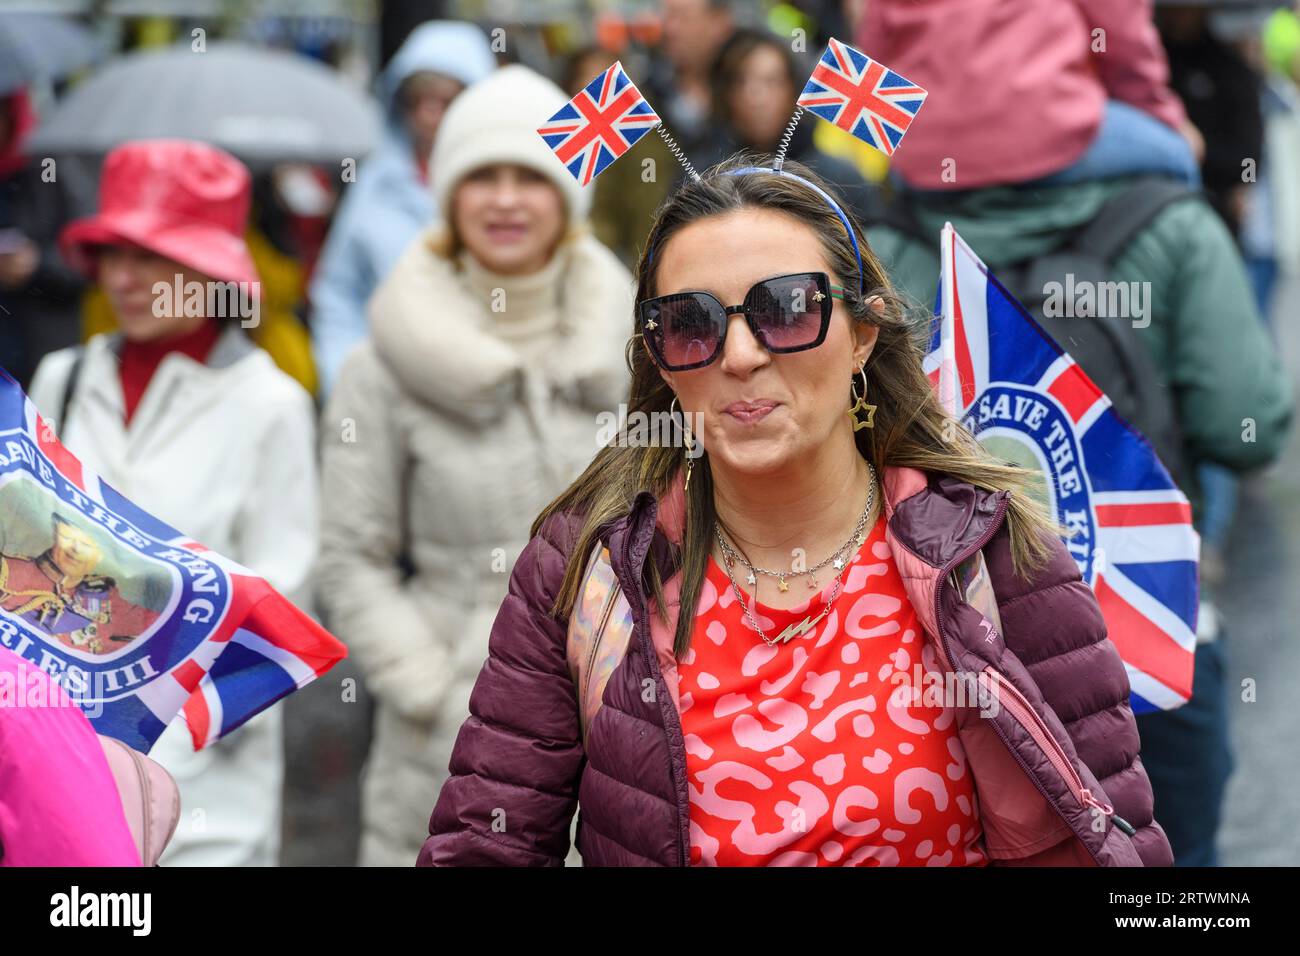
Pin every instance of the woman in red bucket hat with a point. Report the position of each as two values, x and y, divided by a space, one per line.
179 199
180 411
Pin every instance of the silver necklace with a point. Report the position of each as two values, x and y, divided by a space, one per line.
807 624
835 557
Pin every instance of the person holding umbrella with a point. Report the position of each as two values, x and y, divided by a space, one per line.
183 414
269 107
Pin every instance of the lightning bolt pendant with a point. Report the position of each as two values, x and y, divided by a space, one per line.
794 630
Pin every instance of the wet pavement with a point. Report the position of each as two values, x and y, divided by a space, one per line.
326 738
1261 608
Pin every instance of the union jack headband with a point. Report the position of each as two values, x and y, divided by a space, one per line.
830 201
606 118
860 96
609 115
847 88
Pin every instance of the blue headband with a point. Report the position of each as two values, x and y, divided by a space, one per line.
857 254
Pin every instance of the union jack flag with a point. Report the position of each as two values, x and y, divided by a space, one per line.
995 368
599 125
861 96
156 624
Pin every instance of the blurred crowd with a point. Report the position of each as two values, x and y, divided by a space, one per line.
441 320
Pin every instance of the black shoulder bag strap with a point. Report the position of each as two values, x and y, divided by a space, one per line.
1123 216
70 388
1105 237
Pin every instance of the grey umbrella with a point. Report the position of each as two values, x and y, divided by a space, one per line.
262 105
39 46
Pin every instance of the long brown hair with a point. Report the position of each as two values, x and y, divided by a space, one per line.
911 428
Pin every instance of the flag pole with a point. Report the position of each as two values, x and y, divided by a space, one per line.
948 384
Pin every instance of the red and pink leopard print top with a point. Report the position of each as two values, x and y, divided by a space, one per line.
826 750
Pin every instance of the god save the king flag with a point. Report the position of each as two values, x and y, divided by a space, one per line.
133 619
994 367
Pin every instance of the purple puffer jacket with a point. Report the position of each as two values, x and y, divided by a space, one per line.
1055 765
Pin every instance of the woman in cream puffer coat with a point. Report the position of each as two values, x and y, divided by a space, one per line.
496 342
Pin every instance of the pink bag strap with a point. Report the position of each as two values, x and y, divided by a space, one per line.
973 582
599 630
150 798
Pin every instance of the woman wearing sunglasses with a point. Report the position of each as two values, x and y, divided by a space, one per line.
891 660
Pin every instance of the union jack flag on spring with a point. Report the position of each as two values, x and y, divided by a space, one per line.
135 621
1026 400
861 96
599 125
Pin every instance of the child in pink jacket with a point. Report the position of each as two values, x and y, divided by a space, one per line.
59 803
1088 96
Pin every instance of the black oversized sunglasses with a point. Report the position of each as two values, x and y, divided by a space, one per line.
789 313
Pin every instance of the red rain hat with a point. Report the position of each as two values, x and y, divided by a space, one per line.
182 199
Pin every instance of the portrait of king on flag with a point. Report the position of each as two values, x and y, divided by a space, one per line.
1126 523
59 591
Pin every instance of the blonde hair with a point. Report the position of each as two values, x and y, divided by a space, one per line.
911 428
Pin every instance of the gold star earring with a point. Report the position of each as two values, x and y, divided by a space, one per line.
860 403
